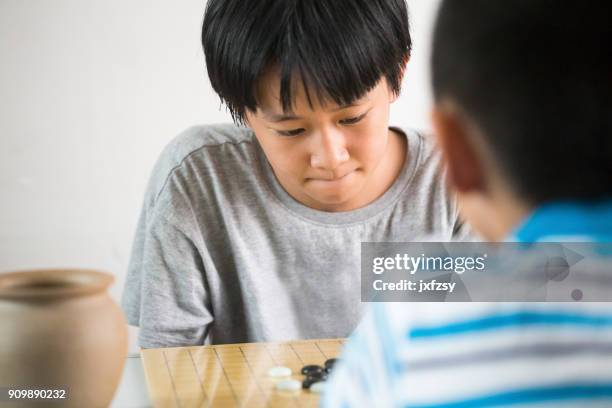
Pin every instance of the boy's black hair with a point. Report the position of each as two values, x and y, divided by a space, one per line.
338 48
536 76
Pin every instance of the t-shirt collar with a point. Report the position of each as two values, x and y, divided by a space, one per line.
567 221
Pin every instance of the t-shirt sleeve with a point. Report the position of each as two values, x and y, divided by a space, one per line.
166 293
364 375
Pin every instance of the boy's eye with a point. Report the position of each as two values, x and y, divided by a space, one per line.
292 132
351 121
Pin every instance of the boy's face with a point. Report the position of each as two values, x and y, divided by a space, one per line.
328 157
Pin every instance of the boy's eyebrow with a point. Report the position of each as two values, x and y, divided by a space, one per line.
285 117
273 117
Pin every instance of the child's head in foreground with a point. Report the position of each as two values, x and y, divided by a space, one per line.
314 80
523 105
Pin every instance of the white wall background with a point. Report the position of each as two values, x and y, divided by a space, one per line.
90 93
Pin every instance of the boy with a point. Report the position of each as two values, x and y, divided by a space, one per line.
253 233
523 93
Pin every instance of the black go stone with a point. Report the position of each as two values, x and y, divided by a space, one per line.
308 382
329 364
310 369
317 375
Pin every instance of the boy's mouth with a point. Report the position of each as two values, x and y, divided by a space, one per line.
333 177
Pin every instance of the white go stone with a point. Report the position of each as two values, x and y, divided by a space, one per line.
289 385
317 387
280 371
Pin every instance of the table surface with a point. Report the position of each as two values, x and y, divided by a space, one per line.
229 375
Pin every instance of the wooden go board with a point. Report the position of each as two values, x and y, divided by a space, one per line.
232 375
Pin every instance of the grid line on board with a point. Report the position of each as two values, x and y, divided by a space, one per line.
178 403
195 367
236 400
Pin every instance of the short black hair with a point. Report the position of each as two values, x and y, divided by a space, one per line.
338 48
536 77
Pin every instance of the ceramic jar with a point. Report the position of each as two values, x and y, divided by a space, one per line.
60 330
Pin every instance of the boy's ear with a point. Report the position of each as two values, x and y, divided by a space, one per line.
465 168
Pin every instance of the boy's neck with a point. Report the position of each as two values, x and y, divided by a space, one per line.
503 213
512 214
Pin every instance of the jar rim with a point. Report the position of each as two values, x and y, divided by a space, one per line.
53 283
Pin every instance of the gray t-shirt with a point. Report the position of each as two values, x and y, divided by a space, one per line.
223 254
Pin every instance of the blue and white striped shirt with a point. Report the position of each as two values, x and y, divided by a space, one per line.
486 354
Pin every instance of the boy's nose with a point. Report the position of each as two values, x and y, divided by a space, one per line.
330 151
